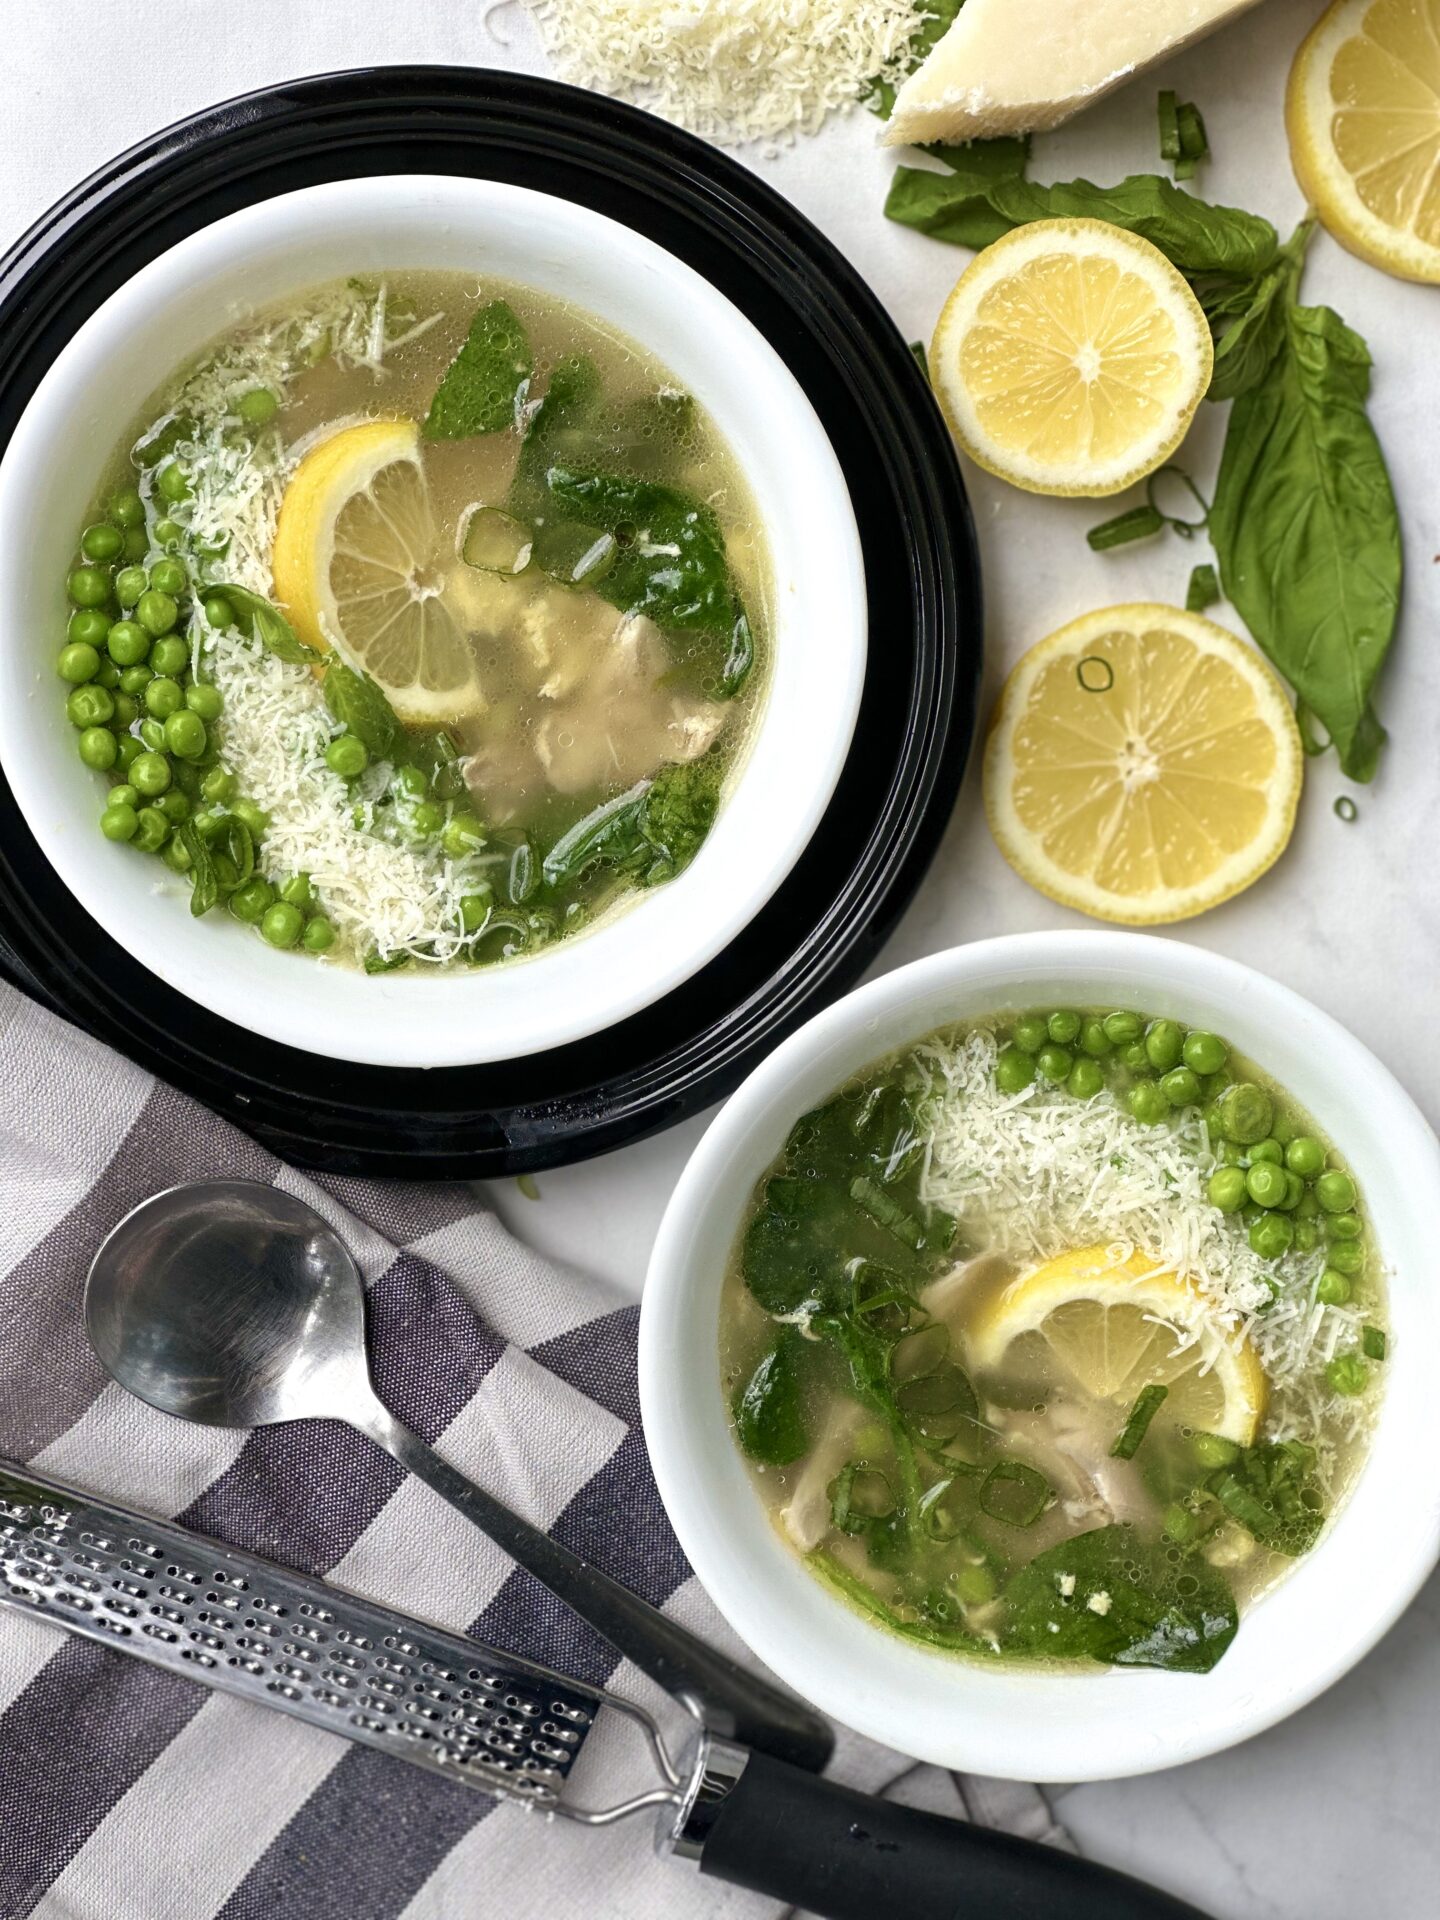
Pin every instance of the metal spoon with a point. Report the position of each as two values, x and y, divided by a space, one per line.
236 1305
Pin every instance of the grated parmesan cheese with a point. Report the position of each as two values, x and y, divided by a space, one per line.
731 70
1036 1173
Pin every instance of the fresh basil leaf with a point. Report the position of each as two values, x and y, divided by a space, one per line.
1247 319
1127 1603
770 1421
484 384
953 206
936 19
359 705
256 616
1306 531
979 161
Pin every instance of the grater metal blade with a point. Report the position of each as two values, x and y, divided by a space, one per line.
245 1626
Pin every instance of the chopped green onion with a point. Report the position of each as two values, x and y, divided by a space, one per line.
1148 1403
526 1182
1203 590
1346 809
1014 1493
858 1495
1100 676
887 1212
1139 523
1372 1343
938 1404
1168 108
1194 142
922 359
496 542
1241 1504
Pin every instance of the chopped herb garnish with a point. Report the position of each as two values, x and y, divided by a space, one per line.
1203 590
1147 1404
1372 1343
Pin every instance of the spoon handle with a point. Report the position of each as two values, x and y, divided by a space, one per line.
729 1700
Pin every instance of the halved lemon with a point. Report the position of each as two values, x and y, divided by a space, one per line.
1070 357
1114 1326
357 567
1142 765
1362 110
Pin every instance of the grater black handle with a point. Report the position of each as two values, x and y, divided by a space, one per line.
844 1855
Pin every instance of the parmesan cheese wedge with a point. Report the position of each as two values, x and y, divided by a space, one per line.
1017 66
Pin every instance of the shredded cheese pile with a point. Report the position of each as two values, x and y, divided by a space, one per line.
731 70
1036 1173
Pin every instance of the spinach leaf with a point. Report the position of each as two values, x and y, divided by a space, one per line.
358 704
1305 528
1157 1607
936 19
796 1248
679 811
568 407
970 208
1272 1492
484 384
256 616
770 1408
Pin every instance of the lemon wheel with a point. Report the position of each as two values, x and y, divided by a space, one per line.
1362 110
1114 1326
1070 358
1142 765
357 567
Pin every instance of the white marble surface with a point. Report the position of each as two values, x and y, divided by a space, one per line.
1335 1812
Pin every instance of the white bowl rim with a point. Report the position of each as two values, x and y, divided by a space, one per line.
1011 1722
798 743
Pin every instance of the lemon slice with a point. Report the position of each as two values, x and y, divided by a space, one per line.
1070 357
357 567
1362 110
1142 765
1115 1326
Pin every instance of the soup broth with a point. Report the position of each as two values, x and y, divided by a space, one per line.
1033 1361
466 602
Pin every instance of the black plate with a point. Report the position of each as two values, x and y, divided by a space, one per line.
918 712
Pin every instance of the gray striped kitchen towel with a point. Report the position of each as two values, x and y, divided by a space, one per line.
129 1794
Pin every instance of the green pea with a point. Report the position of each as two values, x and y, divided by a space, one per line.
152 734
90 706
410 782
185 734
1294 1191
1055 1063
1266 1184
1271 1234
1346 1256
1063 1028
169 534
319 935
156 612
1213 1450
1228 1189
126 508
1094 1040
1147 1103
137 545
171 484
150 775
296 891
1344 1226
1204 1052
170 656
1133 1057
127 643
99 748
427 819
107 674
219 612
1305 1156
88 586
205 700
1347 1374
1085 1080
102 542
1282 1128
175 807
475 911
1246 1112
122 794
463 835
1309 1206
1267 1150
1014 1070
253 901
1180 1087
218 786
210 823
1232 1156
1334 1190
1307 1236
1030 1033
78 662
130 751
169 576
152 830
255 818
347 756
1122 1028
1212 1085
282 924
119 822
1332 1288
258 407
164 697
177 856
88 627
1164 1042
